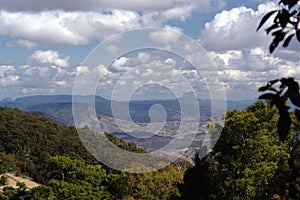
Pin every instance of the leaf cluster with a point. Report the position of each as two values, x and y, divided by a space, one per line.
284 25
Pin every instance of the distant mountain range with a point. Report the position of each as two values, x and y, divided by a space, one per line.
59 107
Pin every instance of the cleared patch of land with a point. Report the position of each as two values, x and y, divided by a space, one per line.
12 181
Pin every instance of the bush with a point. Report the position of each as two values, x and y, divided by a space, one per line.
3 180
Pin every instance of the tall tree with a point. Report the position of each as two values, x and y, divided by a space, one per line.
248 162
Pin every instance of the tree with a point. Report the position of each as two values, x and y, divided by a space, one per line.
3 180
249 161
162 184
197 183
285 24
246 156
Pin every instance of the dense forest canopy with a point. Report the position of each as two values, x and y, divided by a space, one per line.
248 162
52 154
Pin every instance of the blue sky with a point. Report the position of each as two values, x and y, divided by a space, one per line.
44 43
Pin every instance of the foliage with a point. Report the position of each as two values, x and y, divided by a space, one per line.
290 89
162 184
27 141
53 155
248 161
285 24
132 147
3 180
74 179
197 183
11 193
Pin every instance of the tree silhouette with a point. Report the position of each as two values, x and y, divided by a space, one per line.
285 24
197 180
289 89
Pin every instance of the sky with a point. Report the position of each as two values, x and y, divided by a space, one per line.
47 45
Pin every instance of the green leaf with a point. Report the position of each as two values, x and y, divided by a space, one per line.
265 18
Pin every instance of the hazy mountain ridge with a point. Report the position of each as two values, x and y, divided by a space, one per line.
59 107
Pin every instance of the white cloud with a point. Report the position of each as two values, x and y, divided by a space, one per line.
77 22
181 13
168 35
8 80
38 76
49 58
61 83
32 26
227 59
232 75
82 70
192 46
8 76
148 72
243 72
170 62
25 44
66 27
144 57
25 90
113 49
143 5
5 69
120 65
236 29
87 4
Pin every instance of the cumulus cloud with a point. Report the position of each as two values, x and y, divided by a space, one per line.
113 49
244 71
145 57
145 5
241 54
9 80
66 27
4 69
234 46
35 76
49 58
8 76
38 80
120 64
170 62
44 73
78 22
82 70
181 13
236 29
25 44
86 4
167 36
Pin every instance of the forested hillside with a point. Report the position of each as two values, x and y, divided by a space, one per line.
248 162
52 154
